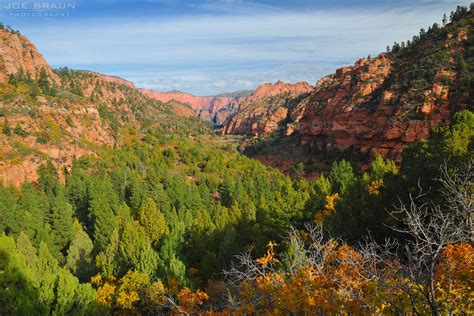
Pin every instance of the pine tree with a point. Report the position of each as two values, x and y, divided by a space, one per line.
45 268
379 167
153 221
25 247
135 249
18 294
43 81
19 130
102 203
79 255
62 221
6 129
48 181
342 176
103 220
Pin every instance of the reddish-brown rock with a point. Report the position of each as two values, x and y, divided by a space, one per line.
270 106
195 102
16 53
357 107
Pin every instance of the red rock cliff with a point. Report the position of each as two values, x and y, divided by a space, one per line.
381 104
16 53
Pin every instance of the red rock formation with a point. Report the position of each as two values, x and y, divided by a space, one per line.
195 102
343 111
59 128
182 109
72 130
221 107
376 106
17 52
267 108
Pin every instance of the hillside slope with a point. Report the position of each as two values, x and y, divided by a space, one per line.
62 115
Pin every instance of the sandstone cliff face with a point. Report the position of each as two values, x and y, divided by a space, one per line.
182 109
380 104
16 53
220 108
265 110
55 133
60 129
377 106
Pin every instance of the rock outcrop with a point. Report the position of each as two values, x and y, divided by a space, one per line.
381 104
268 108
377 106
220 108
17 54
111 79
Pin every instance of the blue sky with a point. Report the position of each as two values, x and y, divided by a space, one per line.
211 46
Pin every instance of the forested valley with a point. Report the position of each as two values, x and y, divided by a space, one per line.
173 219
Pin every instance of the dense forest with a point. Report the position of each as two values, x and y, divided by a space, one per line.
176 220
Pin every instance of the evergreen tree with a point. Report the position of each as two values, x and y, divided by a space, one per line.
45 269
103 220
48 181
342 176
25 247
153 221
79 255
62 221
43 81
18 130
18 295
379 167
135 249
6 129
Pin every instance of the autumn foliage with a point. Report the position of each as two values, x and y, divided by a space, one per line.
344 282
135 293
